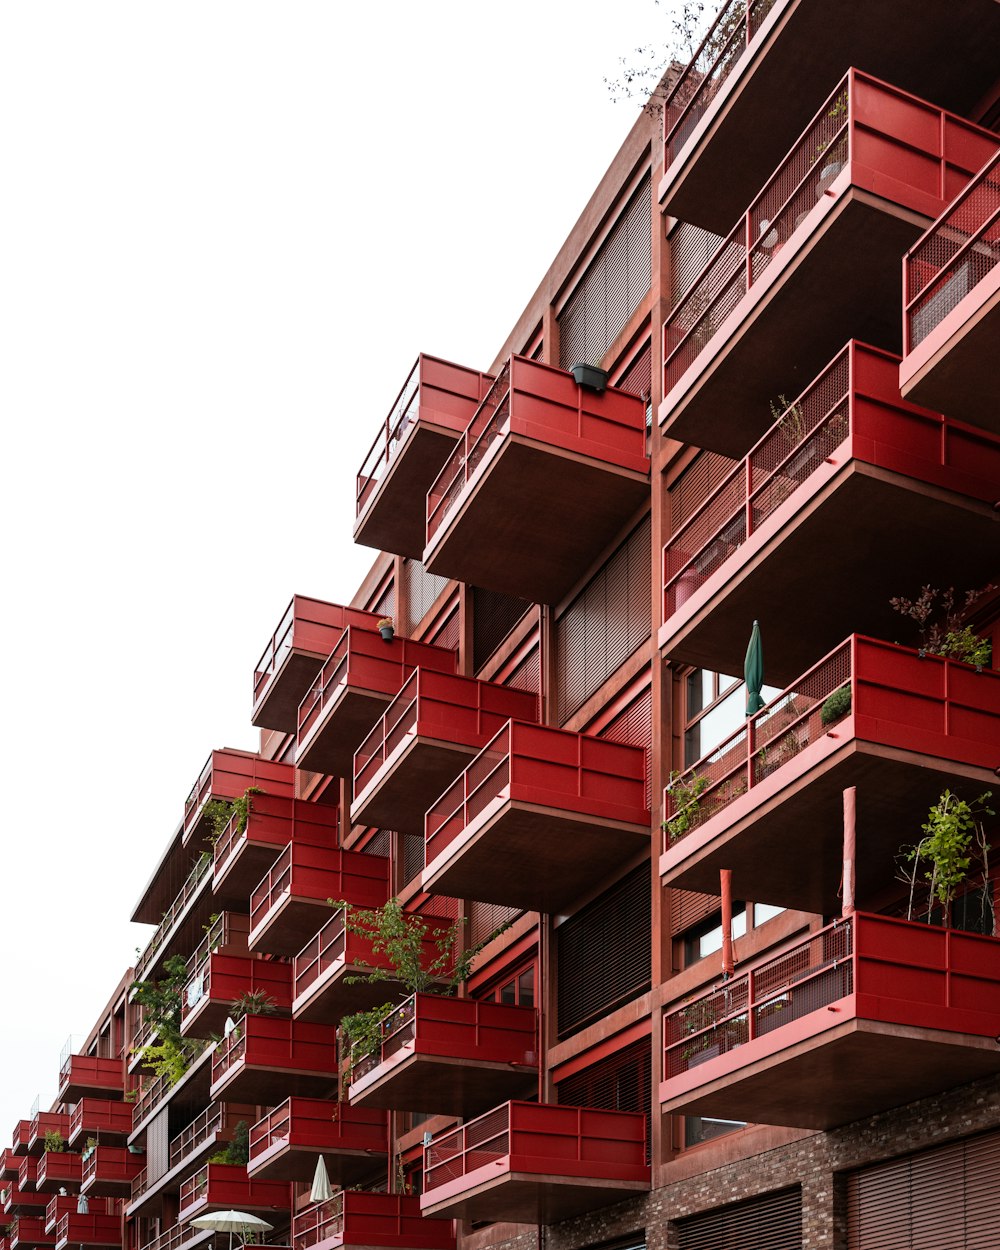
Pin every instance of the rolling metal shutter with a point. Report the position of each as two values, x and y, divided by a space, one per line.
604 624
603 953
688 908
612 287
485 918
447 634
773 1222
947 1198
621 1082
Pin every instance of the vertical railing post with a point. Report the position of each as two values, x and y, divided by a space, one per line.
748 492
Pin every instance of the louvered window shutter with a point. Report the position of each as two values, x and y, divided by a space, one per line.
494 615
620 1082
772 1222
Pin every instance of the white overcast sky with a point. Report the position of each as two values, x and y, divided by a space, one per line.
226 230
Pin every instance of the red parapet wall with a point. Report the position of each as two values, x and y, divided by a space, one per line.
319 873
277 821
319 1125
352 1218
271 1042
227 775
224 1186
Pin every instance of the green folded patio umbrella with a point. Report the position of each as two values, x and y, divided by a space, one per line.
753 671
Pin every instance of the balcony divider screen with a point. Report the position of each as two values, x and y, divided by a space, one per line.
773 1222
947 1196
620 1082
421 589
603 953
494 615
634 726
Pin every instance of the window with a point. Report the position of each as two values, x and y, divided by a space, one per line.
714 708
519 991
707 937
701 1128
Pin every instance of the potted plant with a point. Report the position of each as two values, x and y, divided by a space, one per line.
386 628
590 376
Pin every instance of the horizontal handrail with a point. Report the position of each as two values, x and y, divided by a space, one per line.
187 891
388 439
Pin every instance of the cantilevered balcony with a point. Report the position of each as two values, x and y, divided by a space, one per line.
535 1163
22 1132
50 1122
227 775
431 412
305 636
848 468
243 855
10 1164
872 168
740 104
102 1118
450 1056
221 980
183 921
77 1229
59 1204
285 1145
951 292
28 1231
182 1237
266 1059
546 473
429 733
82 1076
361 676
329 979
351 1218
226 1187
293 900
108 1171
897 725
538 818
867 1014
22 1199
206 1134
58 1169
27 1174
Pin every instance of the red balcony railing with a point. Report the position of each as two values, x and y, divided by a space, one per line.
192 887
22 1132
228 931
27 1174
474 1034
444 394
528 399
227 775
225 1186
179 1237
735 25
352 1218
956 253
89 1074
88 1229
286 1142
222 979
882 137
595 786
56 1169
94 1117
896 973
271 825
896 697
29 1230
268 1046
854 403
110 1170
306 632
216 1123
311 876
52 1122
458 710
59 1204
558 1146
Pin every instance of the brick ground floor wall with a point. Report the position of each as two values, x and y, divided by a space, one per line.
817 1164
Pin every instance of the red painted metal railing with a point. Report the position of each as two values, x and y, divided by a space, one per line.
227 977
528 398
444 705
99 1115
113 1164
227 1185
317 1124
897 697
89 1229
805 978
22 1131
58 1122
59 1166
541 765
358 1219
187 892
955 254
458 1028
310 625
328 948
320 873
900 972
863 121
855 400
276 821
90 1071
178 1236
402 416
732 31
577 1141
214 1118
272 1042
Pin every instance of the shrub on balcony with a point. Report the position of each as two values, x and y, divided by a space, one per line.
940 620
54 1143
685 798
172 1054
837 705
954 838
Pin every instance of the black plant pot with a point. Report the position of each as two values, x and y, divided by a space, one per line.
387 632
590 376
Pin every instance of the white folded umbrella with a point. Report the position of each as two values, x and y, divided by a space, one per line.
321 1191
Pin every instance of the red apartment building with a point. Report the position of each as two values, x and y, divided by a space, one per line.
791 277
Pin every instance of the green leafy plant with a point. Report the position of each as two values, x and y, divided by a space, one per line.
685 791
171 1055
836 705
54 1142
939 616
953 834
237 1151
254 1003
219 813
